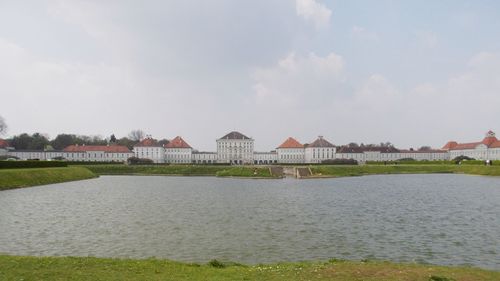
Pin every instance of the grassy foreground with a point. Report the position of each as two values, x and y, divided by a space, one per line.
15 178
180 170
347 171
68 268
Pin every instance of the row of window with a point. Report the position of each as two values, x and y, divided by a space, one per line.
291 156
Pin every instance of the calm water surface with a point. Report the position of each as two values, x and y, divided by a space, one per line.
439 219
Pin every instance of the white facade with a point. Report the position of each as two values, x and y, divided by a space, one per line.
235 148
291 155
393 156
432 155
319 151
265 157
487 149
481 152
178 155
149 148
204 157
34 154
291 151
178 151
156 154
83 156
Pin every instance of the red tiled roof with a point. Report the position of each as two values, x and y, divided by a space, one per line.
489 140
105 148
470 145
495 144
321 142
235 136
3 143
450 145
148 142
178 142
291 143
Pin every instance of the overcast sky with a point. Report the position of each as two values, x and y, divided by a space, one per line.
410 72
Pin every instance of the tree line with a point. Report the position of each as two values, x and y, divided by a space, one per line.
39 141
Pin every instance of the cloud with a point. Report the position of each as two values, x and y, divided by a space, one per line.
314 94
312 11
362 34
295 81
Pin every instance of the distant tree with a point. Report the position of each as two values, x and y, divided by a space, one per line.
22 141
163 142
64 140
39 141
112 138
386 144
424 148
25 141
136 135
3 126
126 142
97 140
81 139
353 144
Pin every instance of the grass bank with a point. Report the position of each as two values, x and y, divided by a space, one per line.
256 172
15 178
67 268
347 171
181 170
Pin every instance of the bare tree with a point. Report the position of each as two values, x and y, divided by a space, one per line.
3 126
136 135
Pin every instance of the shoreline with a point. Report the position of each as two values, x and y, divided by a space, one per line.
92 268
21 178
30 177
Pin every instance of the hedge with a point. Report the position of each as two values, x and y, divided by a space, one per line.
80 163
31 164
414 162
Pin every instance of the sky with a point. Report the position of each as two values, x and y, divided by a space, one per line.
413 73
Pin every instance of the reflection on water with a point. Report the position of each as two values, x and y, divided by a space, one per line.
439 219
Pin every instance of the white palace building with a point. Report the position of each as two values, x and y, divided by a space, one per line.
236 148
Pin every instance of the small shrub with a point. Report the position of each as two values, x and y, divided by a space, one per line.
340 162
439 278
461 158
31 164
407 160
335 260
139 161
217 264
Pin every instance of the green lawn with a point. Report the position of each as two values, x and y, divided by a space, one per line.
66 268
346 171
182 170
15 178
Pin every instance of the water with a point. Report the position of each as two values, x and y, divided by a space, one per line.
438 219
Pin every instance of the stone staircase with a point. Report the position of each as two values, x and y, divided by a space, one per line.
276 171
303 172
